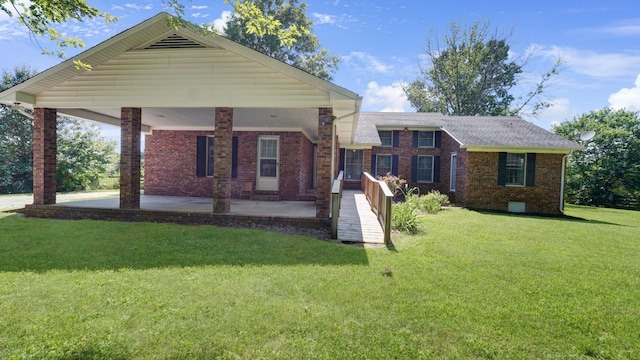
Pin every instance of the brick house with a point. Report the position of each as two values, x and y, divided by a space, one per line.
217 115
495 163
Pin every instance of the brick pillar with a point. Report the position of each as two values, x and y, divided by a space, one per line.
130 127
323 174
45 146
222 160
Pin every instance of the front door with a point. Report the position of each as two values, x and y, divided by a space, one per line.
268 160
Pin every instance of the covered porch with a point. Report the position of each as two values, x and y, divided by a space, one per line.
175 83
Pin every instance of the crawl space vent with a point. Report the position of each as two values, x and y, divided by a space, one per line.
175 42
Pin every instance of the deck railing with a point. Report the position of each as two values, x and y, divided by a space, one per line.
336 196
379 196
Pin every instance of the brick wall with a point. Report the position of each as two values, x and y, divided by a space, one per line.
44 156
170 163
483 191
405 151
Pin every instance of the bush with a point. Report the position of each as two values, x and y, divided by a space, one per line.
405 217
432 202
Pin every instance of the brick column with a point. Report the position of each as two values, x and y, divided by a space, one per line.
222 160
323 174
130 127
45 147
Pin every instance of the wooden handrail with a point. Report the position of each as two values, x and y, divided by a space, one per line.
336 196
379 197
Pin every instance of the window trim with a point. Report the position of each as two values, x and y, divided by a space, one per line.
523 170
209 157
453 172
382 144
346 162
418 169
390 164
433 139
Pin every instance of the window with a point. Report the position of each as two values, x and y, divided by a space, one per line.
426 139
515 169
210 152
425 169
454 168
386 137
353 164
383 165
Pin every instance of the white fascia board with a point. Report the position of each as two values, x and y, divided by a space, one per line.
515 149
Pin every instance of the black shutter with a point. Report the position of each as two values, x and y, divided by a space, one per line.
396 138
437 139
414 168
394 165
436 169
373 165
234 157
201 156
414 141
343 155
531 169
502 168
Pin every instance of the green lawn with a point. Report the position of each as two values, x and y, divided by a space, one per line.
471 285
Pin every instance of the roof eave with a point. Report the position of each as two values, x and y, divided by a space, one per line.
520 149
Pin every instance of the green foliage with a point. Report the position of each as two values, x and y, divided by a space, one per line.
83 156
473 74
281 29
475 286
40 18
432 202
394 183
607 172
405 217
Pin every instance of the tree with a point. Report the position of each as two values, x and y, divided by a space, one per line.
473 75
40 17
16 169
607 172
83 156
284 33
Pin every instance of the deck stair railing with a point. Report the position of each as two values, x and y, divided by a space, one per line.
379 196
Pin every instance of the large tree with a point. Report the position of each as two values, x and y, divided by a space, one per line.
607 172
470 72
83 156
284 34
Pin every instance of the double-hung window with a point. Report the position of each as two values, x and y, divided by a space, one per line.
516 165
353 164
425 169
383 164
386 137
426 139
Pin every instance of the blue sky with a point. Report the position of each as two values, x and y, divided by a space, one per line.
381 44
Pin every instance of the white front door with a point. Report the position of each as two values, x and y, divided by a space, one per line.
268 160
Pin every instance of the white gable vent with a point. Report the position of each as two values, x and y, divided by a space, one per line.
175 42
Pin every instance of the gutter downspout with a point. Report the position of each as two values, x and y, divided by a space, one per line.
562 179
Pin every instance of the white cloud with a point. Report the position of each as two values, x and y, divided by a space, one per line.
135 6
199 15
221 23
386 98
559 111
366 62
627 98
324 18
591 63
199 7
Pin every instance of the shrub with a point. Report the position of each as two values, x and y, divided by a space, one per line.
405 217
433 201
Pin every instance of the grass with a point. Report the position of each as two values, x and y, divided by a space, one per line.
470 285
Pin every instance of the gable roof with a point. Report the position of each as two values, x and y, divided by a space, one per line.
177 75
474 133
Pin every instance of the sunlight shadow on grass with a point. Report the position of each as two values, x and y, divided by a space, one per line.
40 245
550 217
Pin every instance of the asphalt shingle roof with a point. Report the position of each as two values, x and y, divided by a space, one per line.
469 131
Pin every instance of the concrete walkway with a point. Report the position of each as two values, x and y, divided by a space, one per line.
357 223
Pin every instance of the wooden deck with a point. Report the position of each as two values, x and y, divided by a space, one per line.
357 223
